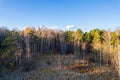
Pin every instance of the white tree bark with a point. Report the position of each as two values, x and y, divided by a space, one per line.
27 47
118 59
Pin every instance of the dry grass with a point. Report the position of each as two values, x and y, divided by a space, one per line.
61 67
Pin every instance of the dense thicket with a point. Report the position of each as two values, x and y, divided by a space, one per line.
18 47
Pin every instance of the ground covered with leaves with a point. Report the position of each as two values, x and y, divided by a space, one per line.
60 67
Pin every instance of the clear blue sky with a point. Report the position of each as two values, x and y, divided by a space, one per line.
84 14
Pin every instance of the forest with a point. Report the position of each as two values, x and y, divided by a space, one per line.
48 54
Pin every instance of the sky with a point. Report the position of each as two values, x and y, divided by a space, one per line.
60 14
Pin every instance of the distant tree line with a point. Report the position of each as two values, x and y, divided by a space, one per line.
17 46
